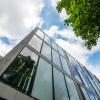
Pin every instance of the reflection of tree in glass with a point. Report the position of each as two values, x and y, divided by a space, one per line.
20 71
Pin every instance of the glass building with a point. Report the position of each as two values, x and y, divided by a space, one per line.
38 69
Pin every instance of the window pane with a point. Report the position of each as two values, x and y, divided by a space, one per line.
64 64
42 88
40 34
36 43
46 50
91 96
61 51
21 70
46 39
89 83
54 45
85 93
72 89
56 59
75 72
59 86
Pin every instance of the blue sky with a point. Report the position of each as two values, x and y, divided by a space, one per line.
18 18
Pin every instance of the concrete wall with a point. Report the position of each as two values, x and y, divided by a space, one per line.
9 93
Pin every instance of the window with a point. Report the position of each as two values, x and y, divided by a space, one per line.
36 43
61 51
64 64
42 88
91 96
72 89
59 86
75 72
56 59
40 34
47 39
85 93
54 45
89 83
46 50
21 70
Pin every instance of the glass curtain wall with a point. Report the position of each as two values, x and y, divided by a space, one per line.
34 72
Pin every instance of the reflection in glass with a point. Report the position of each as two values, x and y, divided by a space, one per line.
72 89
42 88
64 64
21 69
47 39
55 58
75 72
89 83
59 86
54 45
46 50
61 51
91 96
36 43
40 34
85 93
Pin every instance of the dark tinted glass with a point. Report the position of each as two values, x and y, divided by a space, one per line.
21 70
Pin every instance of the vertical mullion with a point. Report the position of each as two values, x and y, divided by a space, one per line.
52 75
64 75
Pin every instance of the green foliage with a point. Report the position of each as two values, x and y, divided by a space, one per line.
84 17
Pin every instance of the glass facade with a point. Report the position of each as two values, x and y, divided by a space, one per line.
45 71
60 86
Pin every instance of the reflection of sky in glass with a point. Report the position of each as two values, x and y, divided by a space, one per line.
91 96
59 86
61 50
72 89
35 42
40 34
46 51
27 52
54 45
42 88
64 64
56 59
85 93
46 39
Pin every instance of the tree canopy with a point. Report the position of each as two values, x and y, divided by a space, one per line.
84 17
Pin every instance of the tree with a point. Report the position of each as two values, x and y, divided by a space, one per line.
84 17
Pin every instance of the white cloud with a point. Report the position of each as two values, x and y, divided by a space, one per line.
53 30
63 14
18 18
54 3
